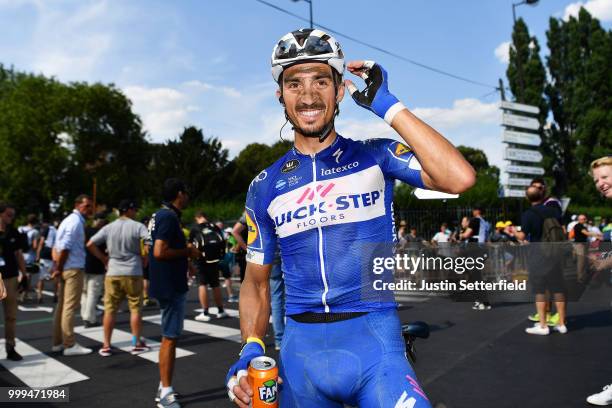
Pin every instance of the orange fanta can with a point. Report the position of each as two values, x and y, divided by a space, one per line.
263 379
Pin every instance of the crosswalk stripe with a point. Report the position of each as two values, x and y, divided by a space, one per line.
123 341
38 369
211 330
47 309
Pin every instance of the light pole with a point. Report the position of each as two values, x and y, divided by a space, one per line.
310 6
518 60
515 5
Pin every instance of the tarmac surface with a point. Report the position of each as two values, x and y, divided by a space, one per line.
472 359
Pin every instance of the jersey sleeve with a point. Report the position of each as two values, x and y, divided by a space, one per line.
261 238
398 161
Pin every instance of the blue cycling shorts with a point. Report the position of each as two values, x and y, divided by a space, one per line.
358 362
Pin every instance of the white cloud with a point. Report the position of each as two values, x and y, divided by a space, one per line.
502 52
600 9
464 111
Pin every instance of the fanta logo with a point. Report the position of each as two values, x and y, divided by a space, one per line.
267 393
401 149
252 230
336 170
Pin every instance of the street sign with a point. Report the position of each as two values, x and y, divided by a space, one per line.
523 138
520 107
532 156
515 181
508 192
524 170
523 122
422 194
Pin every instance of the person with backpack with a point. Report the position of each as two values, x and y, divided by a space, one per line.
208 238
541 224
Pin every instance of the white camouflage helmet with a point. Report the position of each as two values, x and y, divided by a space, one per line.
305 45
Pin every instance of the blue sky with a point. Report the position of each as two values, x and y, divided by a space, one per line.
206 63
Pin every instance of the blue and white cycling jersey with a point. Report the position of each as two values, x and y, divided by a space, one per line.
322 209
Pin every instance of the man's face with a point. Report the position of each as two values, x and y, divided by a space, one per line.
8 216
310 96
85 207
183 199
582 219
602 176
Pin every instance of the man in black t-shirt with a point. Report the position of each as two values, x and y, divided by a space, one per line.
208 238
545 273
12 269
581 247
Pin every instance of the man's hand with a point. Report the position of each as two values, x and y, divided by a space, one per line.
376 96
2 289
194 252
238 389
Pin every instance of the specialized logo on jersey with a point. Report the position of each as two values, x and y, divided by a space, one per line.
401 149
290 166
253 233
337 154
351 198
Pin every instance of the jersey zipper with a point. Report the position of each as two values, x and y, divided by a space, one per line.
320 241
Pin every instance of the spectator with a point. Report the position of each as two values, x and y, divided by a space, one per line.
545 272
581 248
168 262
208 238
122 239
70 266
229 263
240 233
601 171
570 227
144 251
415 239
93 280
48 232
442 240
12 269
476 234
31 240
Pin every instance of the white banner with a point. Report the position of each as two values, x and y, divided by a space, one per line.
523 138
523 122
519 107
515 181
524 170
514 193
532 156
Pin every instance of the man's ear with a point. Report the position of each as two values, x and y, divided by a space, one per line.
279 95
341 89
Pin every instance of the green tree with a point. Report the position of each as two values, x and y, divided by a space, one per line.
33 159
579 97
199 161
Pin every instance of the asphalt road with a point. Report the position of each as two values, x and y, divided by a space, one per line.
472 359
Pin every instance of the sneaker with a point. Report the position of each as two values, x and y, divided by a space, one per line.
77 350
105 351
233 299
203 317
602 398
140 348
169 401
158 395
538 330
481 306
12 354
561 328
534 317
57 348
222 315
552 320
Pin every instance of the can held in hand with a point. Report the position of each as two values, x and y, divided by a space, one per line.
263 379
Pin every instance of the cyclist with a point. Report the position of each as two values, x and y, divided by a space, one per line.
322 201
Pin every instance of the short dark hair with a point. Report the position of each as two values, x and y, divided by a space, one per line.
172 187
80 198
32 219
5 206
200 213
539 180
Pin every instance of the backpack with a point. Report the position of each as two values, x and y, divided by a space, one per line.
208 238
551 232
